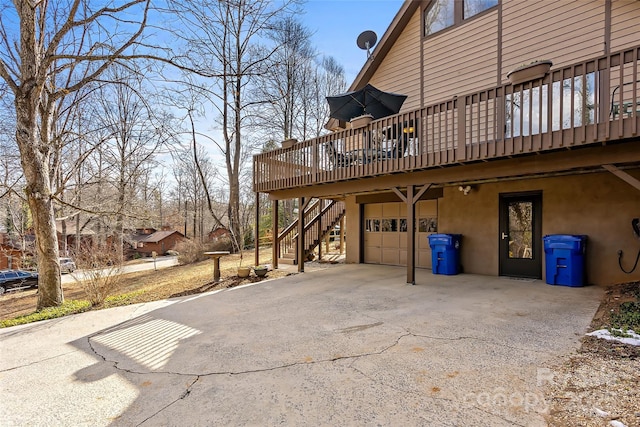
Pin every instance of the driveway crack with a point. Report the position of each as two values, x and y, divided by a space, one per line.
36 362
250 371
488 341
184 395
353 358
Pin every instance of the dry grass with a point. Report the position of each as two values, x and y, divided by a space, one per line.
151 285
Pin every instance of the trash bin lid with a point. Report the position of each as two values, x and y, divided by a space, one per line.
575 242
444 240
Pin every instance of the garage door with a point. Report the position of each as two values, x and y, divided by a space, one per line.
385 232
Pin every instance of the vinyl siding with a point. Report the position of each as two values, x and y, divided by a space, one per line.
625 15
562 31
399 72
462 59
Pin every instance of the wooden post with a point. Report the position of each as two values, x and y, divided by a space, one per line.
300 248
411 235
327 239
275 244
342 235
320 232
461 151
410 199
257 238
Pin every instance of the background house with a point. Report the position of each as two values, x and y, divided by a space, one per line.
15 252
500 163
218 234
69 233
157 241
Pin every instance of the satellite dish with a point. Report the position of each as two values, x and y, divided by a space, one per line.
366 41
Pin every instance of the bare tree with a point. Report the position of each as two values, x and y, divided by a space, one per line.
135 134
283 84
326 79
192 187
57 49
224 36
290 101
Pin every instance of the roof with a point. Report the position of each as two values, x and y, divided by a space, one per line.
71 229
158 236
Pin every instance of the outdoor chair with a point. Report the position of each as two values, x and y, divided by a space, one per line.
336 158
399 148
400 135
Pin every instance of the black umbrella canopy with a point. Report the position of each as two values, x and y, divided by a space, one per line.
368 100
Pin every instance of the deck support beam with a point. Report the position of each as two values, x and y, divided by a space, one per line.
257 231
623 176
303 202
275 246
410 199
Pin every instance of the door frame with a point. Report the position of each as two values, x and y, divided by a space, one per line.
520 267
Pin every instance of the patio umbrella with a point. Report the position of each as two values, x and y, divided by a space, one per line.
368 100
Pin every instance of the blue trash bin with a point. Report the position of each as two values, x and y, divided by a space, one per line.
564 259
445 253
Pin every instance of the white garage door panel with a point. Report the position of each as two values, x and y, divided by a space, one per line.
373 245
389 247
390 257
391 241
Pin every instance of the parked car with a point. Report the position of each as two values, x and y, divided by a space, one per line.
17 279
67 265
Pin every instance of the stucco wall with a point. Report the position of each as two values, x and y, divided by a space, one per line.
598 205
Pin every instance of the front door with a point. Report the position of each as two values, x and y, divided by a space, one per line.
521 235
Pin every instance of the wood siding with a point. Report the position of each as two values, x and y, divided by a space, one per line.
462 59
625 15
399 72
562 31
543 115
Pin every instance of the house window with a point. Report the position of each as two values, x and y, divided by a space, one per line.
439 16
443 14
390 225
372 225
474 7
428 225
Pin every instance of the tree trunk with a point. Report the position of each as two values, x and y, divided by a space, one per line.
36 170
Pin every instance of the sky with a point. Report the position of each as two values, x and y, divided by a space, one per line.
337 23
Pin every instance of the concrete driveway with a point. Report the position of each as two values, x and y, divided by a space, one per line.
351 345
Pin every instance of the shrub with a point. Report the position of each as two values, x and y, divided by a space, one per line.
222 244
190 251
101 273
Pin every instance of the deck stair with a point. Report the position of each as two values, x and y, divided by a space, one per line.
321 216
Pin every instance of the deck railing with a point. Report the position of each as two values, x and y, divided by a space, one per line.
320 218
589 102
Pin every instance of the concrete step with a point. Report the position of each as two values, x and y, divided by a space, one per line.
288 261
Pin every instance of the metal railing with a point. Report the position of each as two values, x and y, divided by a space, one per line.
589 102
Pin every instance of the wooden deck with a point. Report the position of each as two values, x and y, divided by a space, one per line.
588 103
